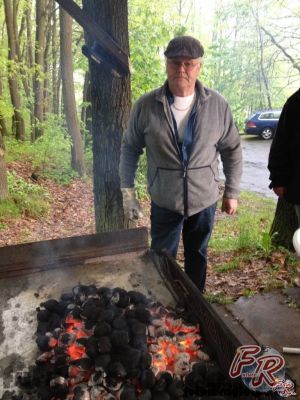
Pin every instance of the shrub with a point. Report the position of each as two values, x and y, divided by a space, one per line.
24 199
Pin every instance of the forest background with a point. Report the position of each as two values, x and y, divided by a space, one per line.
252 57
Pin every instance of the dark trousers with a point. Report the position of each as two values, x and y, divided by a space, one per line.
166 227
297 209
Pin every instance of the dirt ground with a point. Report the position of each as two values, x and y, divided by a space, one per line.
72 214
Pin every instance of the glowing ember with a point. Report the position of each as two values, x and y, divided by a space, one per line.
172 342
76 352
110 344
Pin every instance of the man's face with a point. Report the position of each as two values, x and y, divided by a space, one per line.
182 73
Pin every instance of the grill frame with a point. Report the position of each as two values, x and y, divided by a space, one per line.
21 260
216 334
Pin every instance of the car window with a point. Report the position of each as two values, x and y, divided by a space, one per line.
277 114
270 115
266 115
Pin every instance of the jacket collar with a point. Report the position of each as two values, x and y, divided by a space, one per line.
202 93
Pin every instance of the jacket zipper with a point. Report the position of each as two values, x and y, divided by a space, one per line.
185 191
184 167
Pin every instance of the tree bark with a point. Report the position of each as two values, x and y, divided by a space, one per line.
3 129
39 69
86 111
3 175
284 224
29 36
18 121
66 60
55 64
30 61
110 97
47 101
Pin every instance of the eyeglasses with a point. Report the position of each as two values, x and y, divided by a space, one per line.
187 65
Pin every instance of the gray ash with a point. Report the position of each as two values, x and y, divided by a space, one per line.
103 343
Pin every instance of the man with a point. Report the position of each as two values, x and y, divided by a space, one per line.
284 157
184 127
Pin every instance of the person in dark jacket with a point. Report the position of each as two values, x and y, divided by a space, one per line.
184 127
284 156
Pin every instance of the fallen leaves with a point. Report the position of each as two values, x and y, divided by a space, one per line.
72 214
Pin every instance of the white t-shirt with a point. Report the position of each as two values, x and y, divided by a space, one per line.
181 109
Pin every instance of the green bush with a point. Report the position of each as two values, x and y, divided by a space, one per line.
53 151
141 178
24 198
50 154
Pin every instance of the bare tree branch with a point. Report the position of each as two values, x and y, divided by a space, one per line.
295 64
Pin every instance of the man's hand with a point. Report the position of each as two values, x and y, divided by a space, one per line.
279 191
132 209
229 206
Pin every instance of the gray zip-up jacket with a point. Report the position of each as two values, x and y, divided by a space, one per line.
186 189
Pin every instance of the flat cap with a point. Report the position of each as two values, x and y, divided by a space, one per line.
184 46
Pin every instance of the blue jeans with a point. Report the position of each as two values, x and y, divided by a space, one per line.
166 227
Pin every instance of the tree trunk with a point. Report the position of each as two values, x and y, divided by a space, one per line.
30 62
3 129
19 55
66 60
46 103
29 36
39 69
18 121
110 98
55 63
284 224
86 111
3 176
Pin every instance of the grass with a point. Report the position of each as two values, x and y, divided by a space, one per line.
219 298
229 266
240 244
247 292
248 229
241 249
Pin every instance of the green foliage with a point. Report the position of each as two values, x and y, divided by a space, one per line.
237 65
24 198
9 209
89 160
248 229
50 154
266 242
248 292
141 178
149 33
2 226
55 150
219 298
229 266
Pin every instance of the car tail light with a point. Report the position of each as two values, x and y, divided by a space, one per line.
250 124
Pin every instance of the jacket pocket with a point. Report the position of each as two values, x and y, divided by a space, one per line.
166 188
203 188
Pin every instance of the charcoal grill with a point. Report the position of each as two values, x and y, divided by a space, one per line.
32 273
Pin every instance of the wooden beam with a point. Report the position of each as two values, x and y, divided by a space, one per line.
104 40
